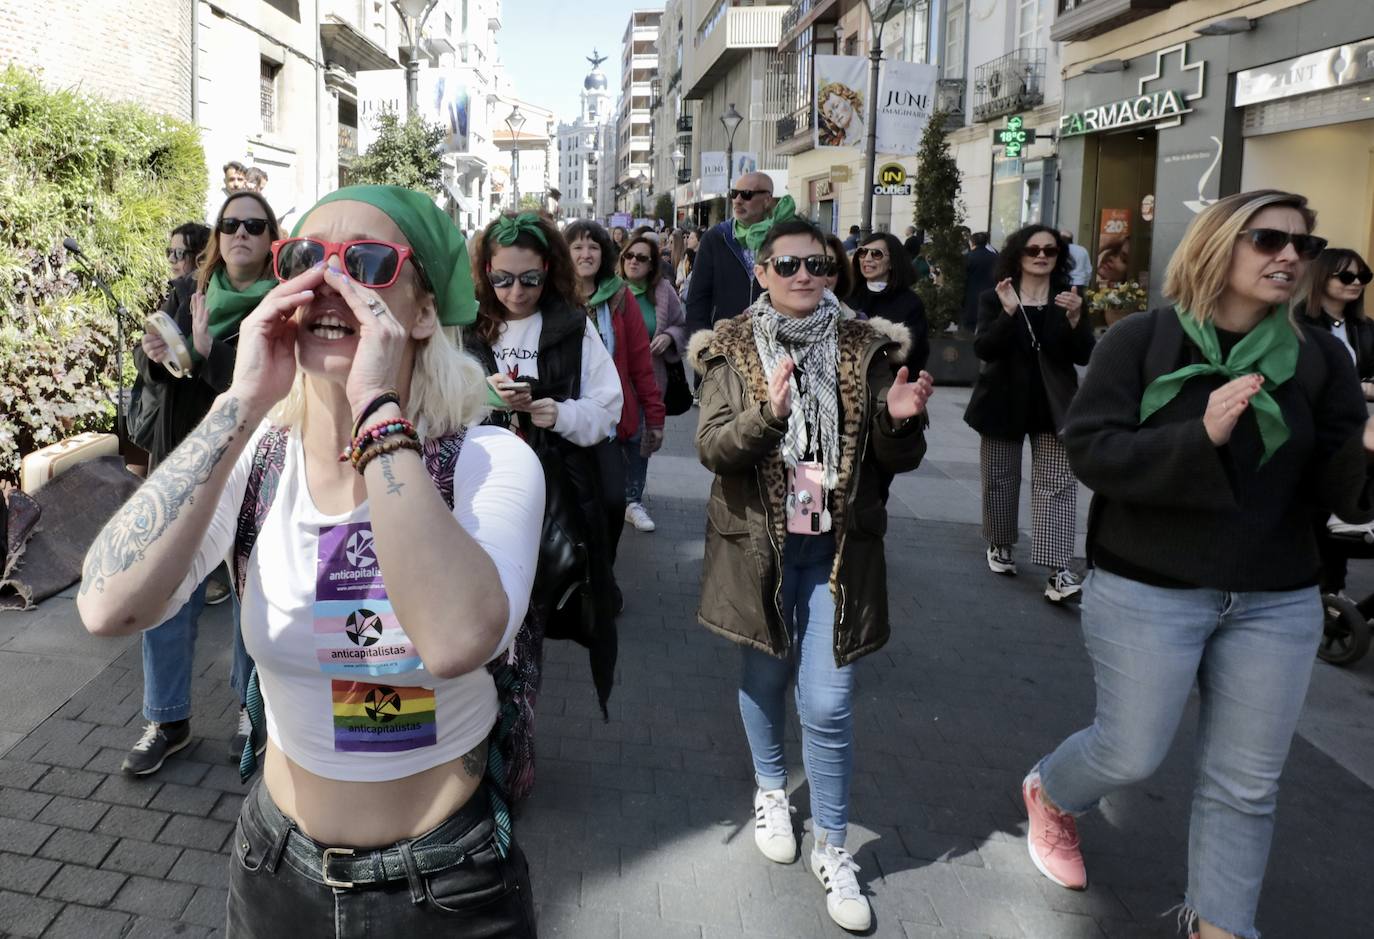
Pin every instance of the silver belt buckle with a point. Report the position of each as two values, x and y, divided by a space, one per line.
324 866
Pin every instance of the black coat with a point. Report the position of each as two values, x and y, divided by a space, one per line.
1009 398
182 403
900 306
1358 330
723 284
979 267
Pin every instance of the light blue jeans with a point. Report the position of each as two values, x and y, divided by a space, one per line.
824 691
1251 655
636 466
168 653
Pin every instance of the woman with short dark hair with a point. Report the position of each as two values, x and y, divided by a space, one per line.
883 283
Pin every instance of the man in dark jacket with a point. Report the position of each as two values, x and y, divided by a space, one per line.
723 282
978 276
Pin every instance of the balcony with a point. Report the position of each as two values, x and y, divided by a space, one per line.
684 175
1083 19
949 97
803 14
726 37
1013 83
795 131
684 124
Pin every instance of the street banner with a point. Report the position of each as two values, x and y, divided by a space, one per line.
841 101
442 99
906 96
621 220
745 162
714 173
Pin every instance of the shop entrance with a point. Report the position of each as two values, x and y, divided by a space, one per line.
1120 227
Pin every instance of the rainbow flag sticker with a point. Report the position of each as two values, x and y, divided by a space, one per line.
372 718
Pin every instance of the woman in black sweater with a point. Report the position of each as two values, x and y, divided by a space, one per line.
883 283
1031 323
1211 434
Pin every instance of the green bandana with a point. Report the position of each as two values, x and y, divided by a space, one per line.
228 306
604 291
646 306
751 236
436 241
1271 349
507 228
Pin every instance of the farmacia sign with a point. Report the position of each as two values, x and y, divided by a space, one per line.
1142 109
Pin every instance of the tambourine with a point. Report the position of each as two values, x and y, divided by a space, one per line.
178 362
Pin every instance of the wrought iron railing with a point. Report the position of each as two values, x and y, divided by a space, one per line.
801 121
1015 82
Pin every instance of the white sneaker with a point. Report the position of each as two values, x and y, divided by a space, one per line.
844 901
1063 585
636 516
773 826
1000 559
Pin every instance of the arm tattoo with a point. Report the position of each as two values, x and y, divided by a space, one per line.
475 760
393 488
126 538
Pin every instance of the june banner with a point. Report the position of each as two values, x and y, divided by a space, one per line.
714 172
906 96
841 101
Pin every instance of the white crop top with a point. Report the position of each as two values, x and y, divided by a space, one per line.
347 696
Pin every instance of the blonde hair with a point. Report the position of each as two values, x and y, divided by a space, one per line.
1200 266
448 389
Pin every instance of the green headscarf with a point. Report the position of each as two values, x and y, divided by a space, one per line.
228 306
436 241
507 228
1271 349
752 235
604 291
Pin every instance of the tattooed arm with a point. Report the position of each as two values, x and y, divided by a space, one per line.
145 552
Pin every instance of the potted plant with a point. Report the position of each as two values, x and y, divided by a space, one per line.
1113 302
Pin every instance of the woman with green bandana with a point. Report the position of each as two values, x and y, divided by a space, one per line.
1212 433
207 305
376 588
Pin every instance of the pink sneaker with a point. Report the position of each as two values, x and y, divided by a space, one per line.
1052 839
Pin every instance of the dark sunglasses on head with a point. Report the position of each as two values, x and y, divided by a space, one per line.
503 279
255 226
1036 251
370 263
179 254
747 194
636 256
817 265
1272 241
1349 277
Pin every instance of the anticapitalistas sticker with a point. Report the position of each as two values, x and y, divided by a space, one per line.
356 632
372 718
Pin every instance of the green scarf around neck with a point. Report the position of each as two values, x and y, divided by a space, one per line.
751 236
229 306
645 297
604 291
1271 349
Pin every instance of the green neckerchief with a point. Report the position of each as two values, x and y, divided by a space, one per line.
646 306
751 236
507 228
604 291
1271 349
228 306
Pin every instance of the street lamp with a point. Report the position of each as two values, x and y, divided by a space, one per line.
879 12
679 162
640 182
731 120
413 16
515 120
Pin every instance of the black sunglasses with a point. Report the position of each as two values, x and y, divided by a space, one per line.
1035 251
634 256
1272 241
1349 277
876 254
503 279
178 254
747 194
255 226
817 265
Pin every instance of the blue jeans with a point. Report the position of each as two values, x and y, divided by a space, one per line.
1251 655
636 466
242 666
824 691
168 651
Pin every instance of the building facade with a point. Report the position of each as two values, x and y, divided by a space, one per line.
580 144
634 123
530 153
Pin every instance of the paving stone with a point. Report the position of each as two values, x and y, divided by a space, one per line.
161 899
77 884
173 797
204 833
65 781
560 921
25 915
72 813
21 804
206 868
696 905
77 847
23 837
125 821
20 774
141 857
25 874
126 790
207 907
145 928
641 926
82 922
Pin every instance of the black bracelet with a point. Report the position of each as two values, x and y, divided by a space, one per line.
385 398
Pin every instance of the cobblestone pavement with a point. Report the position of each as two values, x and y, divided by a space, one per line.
639 826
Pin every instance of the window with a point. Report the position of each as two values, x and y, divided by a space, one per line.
267 95
1030 24
954 39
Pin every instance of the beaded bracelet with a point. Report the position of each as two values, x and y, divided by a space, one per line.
389 445
375 434
385 398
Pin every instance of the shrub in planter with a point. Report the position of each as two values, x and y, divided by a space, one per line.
115 176
940 214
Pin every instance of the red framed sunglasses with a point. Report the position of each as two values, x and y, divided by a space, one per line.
370 262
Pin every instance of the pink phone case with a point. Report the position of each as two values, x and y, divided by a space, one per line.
806 510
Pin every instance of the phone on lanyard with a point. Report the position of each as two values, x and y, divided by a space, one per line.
807 513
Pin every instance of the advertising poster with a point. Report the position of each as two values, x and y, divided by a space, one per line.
714 174
443 99
841 101
906 96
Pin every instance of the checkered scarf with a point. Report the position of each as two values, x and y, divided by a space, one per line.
812 342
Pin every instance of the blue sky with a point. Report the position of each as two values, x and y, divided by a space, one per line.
544 45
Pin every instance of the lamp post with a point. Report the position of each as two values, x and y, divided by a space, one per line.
679 161
641 181
879 12
413 16
515 120
730 120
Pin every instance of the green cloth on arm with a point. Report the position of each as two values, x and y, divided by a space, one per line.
1271 349
646 306
228 307
751 236
436 241
604 291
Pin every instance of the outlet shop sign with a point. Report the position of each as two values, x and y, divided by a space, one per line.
1142 109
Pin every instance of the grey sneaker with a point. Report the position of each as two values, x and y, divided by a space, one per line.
158 742
1063 585
240 737
1000 560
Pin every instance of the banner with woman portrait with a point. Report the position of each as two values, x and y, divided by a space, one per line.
841 101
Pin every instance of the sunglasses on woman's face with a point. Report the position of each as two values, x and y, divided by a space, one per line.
255 226
1037 251
370 263
179 254
1349 277
876 254
503 279
817 265
636 256
1272 241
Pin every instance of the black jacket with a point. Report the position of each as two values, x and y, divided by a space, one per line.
1358 330
1008 400
723 284
899 306
979 265
183 402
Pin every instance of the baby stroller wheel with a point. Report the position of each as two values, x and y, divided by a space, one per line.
1345 638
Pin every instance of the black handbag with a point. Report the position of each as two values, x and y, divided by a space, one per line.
1061 383
145 408
677 397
